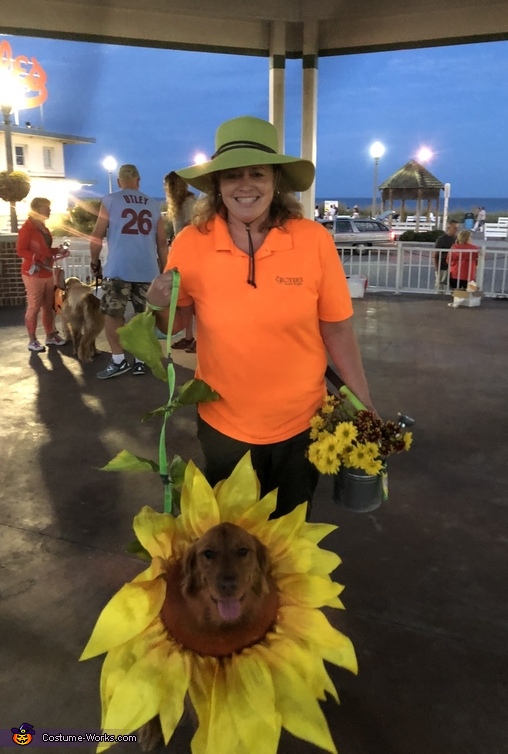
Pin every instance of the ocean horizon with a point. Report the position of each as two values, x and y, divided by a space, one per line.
468 204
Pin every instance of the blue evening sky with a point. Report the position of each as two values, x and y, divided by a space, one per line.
156 108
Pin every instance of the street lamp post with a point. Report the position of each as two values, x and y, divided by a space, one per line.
110 164
377 150
6 113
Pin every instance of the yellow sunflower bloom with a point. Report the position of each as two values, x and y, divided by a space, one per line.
408 440
241 700
329 404
359 458
373 466
317 422
346 431
371 449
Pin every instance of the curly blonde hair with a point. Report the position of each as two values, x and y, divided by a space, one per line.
284 206
177 192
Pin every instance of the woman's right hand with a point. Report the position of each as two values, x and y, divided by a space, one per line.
159 293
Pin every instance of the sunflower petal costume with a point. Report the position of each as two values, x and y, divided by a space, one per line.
241 700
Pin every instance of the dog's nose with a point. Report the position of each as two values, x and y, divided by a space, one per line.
227 583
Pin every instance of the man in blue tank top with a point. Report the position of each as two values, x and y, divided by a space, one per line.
137 251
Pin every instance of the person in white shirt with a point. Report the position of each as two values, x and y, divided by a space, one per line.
137 252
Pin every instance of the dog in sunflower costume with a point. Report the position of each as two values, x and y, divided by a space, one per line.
248 684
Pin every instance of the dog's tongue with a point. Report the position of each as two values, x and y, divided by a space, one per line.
229 609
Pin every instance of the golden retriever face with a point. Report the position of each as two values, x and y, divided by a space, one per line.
227 571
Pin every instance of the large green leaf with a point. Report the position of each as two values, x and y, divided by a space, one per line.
192 392
158 412
126 461
139 338
195 391
177 471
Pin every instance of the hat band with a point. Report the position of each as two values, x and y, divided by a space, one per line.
242 145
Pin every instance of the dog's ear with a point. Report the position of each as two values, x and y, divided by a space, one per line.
260 583
191 580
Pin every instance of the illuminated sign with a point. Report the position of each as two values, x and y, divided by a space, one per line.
30 72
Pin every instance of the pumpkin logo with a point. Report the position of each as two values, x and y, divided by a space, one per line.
23 735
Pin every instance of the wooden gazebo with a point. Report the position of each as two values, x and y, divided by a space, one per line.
412 182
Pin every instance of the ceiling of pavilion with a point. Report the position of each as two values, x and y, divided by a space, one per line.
243 26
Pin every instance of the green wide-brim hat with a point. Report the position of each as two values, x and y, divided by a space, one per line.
245 141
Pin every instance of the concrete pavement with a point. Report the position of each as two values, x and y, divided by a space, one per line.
425 575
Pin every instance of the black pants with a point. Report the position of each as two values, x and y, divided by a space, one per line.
279 464
457 284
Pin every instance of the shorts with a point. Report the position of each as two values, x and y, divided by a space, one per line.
118 293
441 277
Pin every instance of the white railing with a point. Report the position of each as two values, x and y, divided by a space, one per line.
495 230
409 268
401 268
399 227
77 265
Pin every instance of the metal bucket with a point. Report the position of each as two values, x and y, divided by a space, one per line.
358 491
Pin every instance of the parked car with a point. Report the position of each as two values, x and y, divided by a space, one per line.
358 233
390 213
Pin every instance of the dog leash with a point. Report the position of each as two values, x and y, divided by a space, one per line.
163 457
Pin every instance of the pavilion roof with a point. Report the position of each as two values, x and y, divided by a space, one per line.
412 175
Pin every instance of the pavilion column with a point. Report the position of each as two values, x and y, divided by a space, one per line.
418 209
309 106
277 78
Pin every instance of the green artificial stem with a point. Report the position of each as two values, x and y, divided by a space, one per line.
163 458
355 402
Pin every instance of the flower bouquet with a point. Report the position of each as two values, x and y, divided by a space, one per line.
354 444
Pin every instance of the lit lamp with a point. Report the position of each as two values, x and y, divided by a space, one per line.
200 158
424 154
377 150
109 164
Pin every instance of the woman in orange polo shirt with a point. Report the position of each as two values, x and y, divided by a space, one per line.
270 299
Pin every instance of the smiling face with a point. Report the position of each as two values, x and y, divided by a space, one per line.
22 739
248 192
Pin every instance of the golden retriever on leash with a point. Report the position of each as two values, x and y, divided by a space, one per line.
81 315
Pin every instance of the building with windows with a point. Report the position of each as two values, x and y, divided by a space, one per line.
41 155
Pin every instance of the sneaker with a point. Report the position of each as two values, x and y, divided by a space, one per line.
138 368
55 340
191 348
34 345
182 344
114 370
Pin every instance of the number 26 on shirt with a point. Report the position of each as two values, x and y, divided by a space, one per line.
137 222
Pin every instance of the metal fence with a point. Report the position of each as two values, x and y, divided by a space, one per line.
404 268
409 268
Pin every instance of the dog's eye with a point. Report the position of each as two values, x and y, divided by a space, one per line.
242 552
208 554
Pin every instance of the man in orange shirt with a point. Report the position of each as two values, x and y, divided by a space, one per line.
270 299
